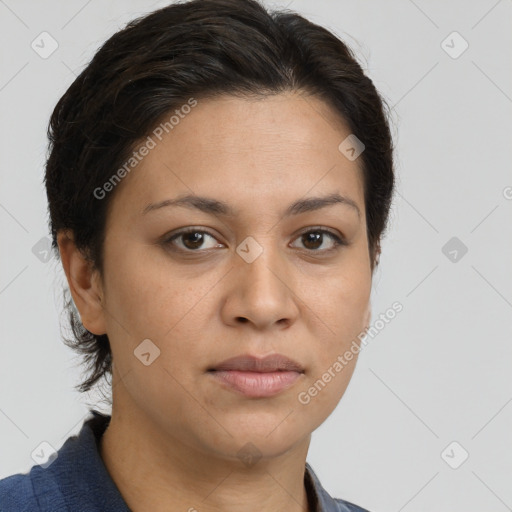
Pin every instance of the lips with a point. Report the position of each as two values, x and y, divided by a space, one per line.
248 363
257 377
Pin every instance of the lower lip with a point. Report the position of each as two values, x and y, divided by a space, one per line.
257 384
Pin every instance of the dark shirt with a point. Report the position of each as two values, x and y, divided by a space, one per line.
78 481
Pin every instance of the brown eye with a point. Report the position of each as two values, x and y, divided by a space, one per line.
321 240
192 240
312 240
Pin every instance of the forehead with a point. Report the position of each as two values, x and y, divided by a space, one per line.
266 149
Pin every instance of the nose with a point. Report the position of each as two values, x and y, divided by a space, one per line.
261 293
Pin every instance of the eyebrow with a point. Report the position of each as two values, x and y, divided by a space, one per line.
213 206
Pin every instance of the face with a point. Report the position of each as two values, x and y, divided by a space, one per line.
254 276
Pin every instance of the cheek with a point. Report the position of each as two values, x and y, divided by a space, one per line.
317 398
339 306
147 299
171 308
340 312
143 305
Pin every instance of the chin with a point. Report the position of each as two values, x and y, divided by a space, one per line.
256 437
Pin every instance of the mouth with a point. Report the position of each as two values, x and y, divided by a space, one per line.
257 377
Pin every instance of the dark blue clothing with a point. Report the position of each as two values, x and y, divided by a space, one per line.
78 481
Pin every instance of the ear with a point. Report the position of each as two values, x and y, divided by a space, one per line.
84 284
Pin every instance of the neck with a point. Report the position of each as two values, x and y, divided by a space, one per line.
154 471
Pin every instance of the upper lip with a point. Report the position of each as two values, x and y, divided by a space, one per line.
249 363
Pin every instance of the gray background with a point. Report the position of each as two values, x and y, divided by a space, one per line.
439 372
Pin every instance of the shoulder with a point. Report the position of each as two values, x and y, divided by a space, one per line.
17 493
75 478
35 491
38 490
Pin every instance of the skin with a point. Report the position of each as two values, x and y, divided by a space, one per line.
175 432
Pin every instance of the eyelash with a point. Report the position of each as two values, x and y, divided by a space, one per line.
338 241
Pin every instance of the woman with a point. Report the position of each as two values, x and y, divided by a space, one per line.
219 180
